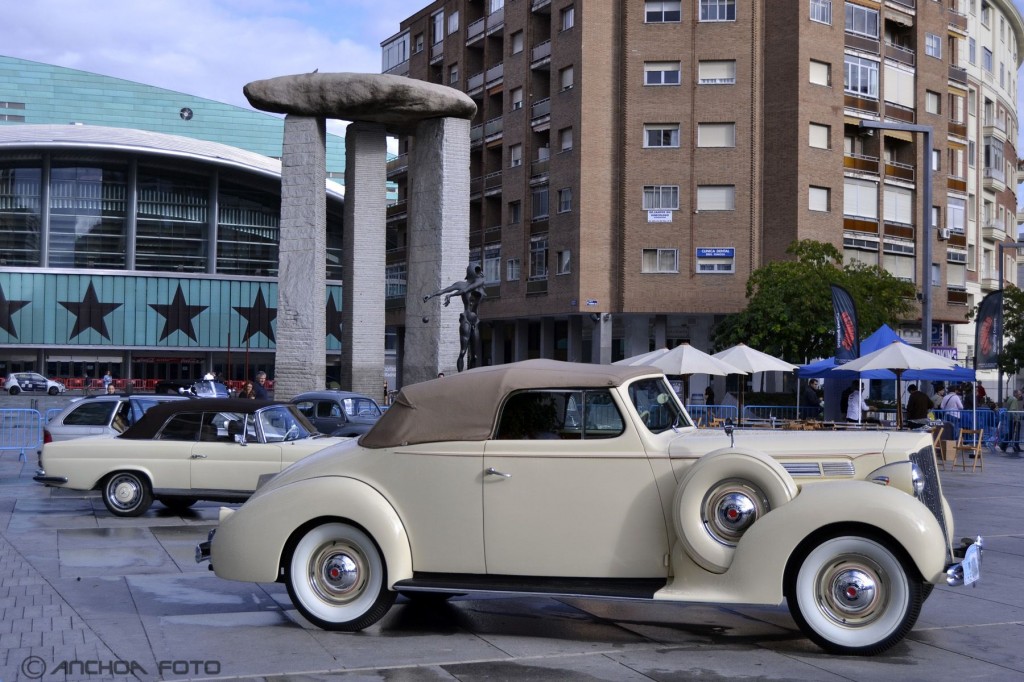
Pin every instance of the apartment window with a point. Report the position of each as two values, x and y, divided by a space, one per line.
936 216
861 77
716 197
662 12
563 261
418 43
516 96
565 77
818 199
956 108
437 27
565 139
956 214
716 134
896 262
540 203
986 59
986 13
661 73
661 135
972 150
932 102
861 20
539 257
515 212
972 50
396 52
661 198
492 263
932 45
659 260
821 11
495 5
899 205
820 136
936 160
394 281
512 270
820 73
453 22
517 42
565 200
453 74
860 198
567 18
720 72
718 10
515 155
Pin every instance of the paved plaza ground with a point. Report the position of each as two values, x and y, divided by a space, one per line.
87 596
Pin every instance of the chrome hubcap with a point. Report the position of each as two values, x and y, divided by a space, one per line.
849 592
125 491
337 573
730 509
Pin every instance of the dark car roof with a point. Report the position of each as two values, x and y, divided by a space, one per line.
147 427
329 394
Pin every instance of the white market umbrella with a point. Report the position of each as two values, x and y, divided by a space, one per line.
750 360
642 359
898 357
685 360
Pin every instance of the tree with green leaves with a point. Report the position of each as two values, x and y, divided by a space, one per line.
789 303
1011 360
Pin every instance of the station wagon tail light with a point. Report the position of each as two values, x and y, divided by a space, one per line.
47 437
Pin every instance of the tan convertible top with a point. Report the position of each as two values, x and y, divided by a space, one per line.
464 406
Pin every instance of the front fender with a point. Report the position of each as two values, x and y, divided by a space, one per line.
757 572
249 544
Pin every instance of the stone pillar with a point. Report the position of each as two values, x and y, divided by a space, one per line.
575 339
362 308
301 334
438 250
521 351
547 338
498 343
638 334
660 331
601 346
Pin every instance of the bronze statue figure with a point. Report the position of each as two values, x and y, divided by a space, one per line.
471 290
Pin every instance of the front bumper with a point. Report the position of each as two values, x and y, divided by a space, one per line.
203 549
41 477
967 571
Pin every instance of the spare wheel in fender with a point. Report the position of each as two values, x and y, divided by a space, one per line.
721 496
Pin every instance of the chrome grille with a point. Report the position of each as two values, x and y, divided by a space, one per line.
802 469
932 496
836 469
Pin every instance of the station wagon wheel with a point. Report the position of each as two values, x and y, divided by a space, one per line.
127 493
15 390
854 595
53 390
337 578
720 497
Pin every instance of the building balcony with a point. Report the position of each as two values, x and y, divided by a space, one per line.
861 105
901 114
957 21
958 75
494 75
857 224
492 234
956 297
476 188
536 287
901 230
436 52
475 31
397 212
475 84
995 179
899 171
903 55
861 163
956 184
399 69
542 6
540 114
494 129
993 230
855 42
540 58
476 135
994 125
496 21
911 4
957 129
539 171
492 184
958 239
398 166
395 256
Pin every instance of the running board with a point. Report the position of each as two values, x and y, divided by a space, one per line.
461 583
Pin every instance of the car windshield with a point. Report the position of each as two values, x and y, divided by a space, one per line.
282 424
653 400
360 407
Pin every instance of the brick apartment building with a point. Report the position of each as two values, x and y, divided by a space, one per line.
634 161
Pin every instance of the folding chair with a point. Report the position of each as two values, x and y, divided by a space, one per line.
969 443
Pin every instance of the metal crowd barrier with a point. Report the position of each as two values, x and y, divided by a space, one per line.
710 415
20 429
770 412
53 412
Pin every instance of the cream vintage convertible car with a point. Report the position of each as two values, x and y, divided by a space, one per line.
182 451
562 478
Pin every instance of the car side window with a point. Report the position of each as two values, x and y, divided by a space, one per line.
308 408
183 426
122 418
91 414
564 414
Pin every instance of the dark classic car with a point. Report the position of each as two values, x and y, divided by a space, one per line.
339 413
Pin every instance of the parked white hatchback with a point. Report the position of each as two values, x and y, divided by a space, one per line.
32 382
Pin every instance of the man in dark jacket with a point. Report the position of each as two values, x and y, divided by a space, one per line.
918 405
810 403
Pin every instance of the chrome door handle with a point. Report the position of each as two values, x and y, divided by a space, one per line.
198 456
491 471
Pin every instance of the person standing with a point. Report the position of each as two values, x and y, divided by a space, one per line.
107 382
918 405
940 393
810 403
951 406
248 391
260 388
1013 407
856 407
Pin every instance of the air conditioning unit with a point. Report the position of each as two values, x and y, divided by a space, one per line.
943 233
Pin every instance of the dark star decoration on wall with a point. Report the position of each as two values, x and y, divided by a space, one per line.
257 317
334 319
90 313
8 308
178 315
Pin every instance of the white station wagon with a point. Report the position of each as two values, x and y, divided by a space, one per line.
591 480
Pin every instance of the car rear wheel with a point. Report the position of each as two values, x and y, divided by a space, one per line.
127 493
853 594
15 390
337 578
53 390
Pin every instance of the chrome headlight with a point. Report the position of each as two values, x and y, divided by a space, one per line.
917 480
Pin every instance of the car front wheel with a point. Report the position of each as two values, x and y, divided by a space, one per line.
854 595
337 578
15 390
127 493
53 390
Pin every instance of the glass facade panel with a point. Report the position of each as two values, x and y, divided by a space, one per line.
248 232
173 221
20 217
87 216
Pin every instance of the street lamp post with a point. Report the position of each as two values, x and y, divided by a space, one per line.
999 337
926 201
